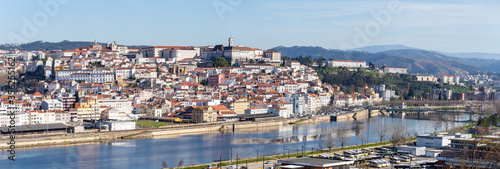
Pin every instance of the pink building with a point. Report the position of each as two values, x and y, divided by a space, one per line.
215 79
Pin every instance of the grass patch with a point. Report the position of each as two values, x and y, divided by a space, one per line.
360 110
149 123
298 121
451 108
242 162
371 73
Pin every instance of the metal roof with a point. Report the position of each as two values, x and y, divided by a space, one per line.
316 162
34 127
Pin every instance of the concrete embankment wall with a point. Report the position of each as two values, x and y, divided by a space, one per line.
356 115
174 131
35 143
187 130
220 127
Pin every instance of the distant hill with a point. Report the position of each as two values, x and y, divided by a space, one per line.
40 45
479 55
381 48
417 61
469 64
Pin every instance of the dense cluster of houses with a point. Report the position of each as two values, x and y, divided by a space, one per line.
122 83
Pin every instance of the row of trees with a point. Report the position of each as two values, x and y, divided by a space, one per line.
335 136
398 134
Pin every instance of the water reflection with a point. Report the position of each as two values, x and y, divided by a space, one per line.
202 148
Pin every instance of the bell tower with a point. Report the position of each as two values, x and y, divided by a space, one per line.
230 41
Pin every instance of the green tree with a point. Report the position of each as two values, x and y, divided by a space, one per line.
220 62
371 65
204 82
411 93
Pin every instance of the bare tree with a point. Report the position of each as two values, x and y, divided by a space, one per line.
342 136
180 163
164 164
398 134
476 153
329 140
362 137
381 129
436 124
447 122
496 106
360 130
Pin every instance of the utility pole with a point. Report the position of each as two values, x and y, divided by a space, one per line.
231 158
263 167
257 154
303 151
236 160
284 152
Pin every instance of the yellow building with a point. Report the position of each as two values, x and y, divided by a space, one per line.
425 78
203 114
240 106
88 109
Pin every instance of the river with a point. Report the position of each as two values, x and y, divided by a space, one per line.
200 148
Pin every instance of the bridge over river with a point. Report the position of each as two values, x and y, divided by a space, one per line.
419 111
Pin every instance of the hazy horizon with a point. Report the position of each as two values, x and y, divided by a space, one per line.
447 26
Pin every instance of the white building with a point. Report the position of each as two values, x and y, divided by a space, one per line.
347 63
272 55
125 73
384 94
116 125
282 112
232 54
445 94
122 105
51 104
451 79
93 75
313 103
181 53
293 64
440 140
256 111
416 151
397 70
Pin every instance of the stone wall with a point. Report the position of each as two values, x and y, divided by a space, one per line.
354 116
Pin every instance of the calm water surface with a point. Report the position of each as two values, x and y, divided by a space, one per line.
196 149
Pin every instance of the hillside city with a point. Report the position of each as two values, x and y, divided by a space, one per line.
103 88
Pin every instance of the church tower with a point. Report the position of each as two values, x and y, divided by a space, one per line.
230 41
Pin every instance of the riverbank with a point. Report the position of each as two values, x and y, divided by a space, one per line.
164 131
243 161
358 115
253 160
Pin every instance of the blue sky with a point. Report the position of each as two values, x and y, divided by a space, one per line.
449 26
